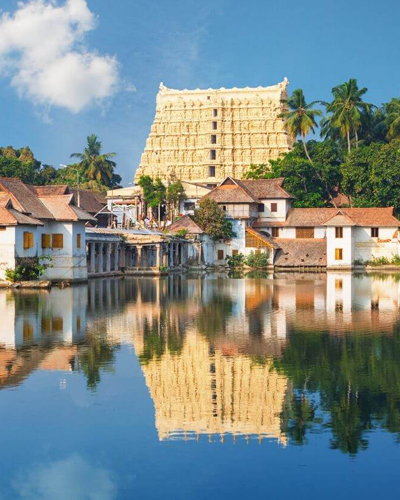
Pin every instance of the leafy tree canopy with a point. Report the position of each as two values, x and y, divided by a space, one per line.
211 219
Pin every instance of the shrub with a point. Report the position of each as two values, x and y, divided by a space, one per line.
235 260
181 233
29 269
258 260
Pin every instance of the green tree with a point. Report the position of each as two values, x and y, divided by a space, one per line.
211 219
175 194
345 112
300 118
392 119
154 193
96 166
371 175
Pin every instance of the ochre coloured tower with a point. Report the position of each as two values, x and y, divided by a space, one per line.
205 135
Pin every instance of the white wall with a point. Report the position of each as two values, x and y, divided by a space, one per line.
366 248
345 243
283 208
7 250
69 262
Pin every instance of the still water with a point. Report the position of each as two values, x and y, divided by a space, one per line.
208 387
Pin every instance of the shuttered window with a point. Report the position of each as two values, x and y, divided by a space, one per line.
58 241
220 255
338 253
375 232
28 240
275 232
274 207
46 241
78 240
304 232
338 232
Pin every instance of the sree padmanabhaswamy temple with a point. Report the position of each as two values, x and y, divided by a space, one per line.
203 136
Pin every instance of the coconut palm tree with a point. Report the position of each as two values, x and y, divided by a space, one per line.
97 167
346 111
392 119
300 117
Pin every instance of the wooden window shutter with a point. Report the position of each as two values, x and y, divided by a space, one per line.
58 241
28 240
304 232
220 254
78 240
338 254
46 243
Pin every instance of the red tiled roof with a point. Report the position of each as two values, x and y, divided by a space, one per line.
313 217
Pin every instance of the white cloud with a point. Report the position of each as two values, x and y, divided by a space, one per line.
43 53
71 478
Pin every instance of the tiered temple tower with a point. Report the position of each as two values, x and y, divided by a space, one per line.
205 135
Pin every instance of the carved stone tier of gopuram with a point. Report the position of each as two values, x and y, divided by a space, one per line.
203 136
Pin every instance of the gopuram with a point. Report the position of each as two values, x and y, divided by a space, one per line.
202 136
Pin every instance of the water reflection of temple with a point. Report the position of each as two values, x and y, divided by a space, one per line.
207 391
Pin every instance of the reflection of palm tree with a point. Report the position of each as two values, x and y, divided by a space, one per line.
298 417
97 356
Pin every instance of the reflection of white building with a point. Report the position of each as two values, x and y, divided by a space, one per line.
32 317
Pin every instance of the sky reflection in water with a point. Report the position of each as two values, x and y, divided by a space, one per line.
202 387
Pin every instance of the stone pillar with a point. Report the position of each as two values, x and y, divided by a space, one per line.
139 256
200 253
158 255
165 256
116 257
122 257
92 257
108 257
100 259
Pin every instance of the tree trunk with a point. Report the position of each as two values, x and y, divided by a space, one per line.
159 216
348 142
356 134
317 173
305 148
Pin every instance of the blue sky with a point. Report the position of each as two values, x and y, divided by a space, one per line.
185 44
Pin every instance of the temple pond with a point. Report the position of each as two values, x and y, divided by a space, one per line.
202 387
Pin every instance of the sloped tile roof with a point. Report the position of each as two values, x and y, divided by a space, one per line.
24 200
248 191
11 217
313 217
62 209
267 188
301 252
89 201
340 219
51 190
187 223
24 219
